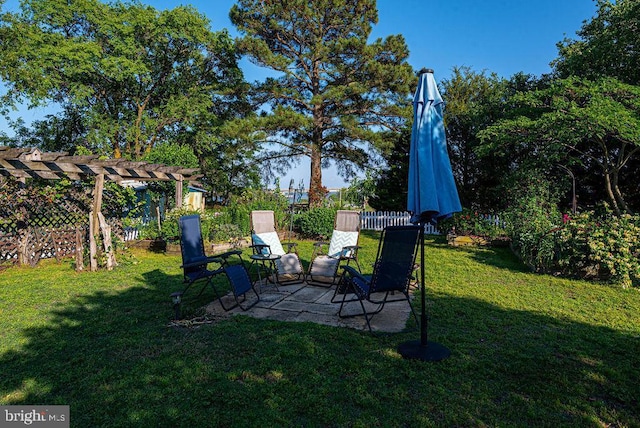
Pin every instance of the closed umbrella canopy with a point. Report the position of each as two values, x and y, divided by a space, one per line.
432 193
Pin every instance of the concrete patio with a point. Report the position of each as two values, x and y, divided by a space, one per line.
311 303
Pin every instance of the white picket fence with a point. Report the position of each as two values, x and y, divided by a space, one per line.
378 220
494 219
131 233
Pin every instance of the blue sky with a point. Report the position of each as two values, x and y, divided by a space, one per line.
501 36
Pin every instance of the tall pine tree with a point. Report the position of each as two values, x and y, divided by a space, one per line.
333 91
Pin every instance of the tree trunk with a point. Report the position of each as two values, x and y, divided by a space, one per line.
108 245
23 243
316 190
117 153
609 190
617 193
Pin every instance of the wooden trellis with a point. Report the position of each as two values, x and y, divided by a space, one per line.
23 163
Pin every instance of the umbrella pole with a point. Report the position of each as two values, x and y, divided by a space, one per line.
423 349
423 289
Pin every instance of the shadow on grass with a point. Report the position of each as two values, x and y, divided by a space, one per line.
113 359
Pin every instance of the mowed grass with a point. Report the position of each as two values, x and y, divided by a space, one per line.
527 350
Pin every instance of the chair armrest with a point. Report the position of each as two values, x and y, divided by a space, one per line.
200 262
229 254
356 282
257 248
290 245
225 256
352 250
353 272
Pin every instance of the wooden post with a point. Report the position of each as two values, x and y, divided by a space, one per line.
179 193
93 248
79 250
108 246
94 224
97 203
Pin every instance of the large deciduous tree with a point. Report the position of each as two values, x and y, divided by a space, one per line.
609 45
136 76
333 91
473 101
593 125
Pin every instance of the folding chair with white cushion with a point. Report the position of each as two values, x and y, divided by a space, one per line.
343 246
265 240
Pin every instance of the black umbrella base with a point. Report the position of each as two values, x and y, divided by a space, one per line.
414 350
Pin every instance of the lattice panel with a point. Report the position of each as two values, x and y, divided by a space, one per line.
41 243
8 246
64 242
47 223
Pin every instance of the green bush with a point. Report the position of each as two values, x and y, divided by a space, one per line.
149 230
595 245
316 223
530 222
240 207
215 227
600 245
225 232
171 228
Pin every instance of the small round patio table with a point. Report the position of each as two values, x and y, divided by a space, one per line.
267 263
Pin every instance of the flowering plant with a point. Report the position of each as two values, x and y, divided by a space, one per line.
601 245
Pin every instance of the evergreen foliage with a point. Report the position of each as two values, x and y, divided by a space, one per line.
332 91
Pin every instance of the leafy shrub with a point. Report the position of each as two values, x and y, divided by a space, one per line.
119 201
594 245
224 232
600 245
316 223
214 227
240 207
149 230
170 229
530 222
469 222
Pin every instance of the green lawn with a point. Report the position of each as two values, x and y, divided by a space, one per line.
527 350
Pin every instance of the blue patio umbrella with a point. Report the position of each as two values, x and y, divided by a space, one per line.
432 193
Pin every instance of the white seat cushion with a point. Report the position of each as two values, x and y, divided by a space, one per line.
289 264
324 266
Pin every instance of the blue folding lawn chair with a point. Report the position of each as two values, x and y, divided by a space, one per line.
391 278
195 265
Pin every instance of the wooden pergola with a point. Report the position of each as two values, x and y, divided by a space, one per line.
23 163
